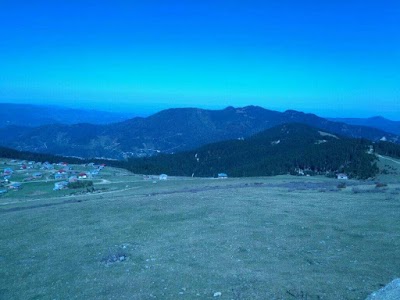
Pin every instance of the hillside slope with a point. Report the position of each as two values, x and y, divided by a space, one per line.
284 149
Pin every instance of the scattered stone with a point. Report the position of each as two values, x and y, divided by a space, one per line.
389 292
114 256
217 294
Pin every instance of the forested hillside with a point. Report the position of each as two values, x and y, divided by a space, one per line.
289 148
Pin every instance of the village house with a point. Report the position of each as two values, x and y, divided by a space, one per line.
37 175
8 172
99 167
15 186
47 166
67 168
60 175
73 178
82 176
222 175
60 185
94 172
163 177
342 176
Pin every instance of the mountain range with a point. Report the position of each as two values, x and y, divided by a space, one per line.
168 131
31 115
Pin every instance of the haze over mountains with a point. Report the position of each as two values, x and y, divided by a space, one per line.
376 122
38 115
168 131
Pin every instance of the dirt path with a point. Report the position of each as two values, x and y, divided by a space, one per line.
387 158
104 181
70 197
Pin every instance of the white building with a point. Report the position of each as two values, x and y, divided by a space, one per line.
342 176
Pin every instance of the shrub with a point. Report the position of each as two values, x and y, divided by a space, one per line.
341 185
380 184
80 184
114 255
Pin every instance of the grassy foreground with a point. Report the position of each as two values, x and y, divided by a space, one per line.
251 238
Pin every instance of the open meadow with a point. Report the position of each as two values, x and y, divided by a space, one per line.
284 237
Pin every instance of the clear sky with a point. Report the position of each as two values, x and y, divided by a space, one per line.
333 58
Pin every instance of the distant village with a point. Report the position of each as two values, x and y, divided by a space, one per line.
15 173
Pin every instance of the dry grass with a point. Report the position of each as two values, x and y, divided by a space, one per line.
252 238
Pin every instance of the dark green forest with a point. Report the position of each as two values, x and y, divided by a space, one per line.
387 148
280 150
42 157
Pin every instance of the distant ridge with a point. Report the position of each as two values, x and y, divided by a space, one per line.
32 115
168 131
375 122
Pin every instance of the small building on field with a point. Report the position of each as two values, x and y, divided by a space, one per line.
8 171
82 176
73 178
47 166
59 175
37 175
342 176
60 185
15 186
163 177
94 172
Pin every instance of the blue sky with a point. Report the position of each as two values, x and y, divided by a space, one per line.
332 58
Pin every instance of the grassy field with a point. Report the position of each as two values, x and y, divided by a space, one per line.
252 238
